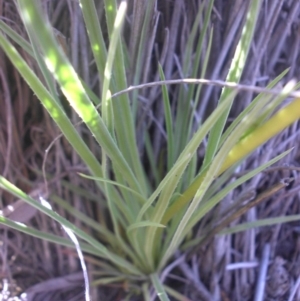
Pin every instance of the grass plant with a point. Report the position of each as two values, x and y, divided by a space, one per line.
152 210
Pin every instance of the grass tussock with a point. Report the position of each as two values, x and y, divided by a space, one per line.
175 192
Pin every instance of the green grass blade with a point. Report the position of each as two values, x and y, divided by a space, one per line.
34 53
28 48
46 73
170 182
46 236
139 63
16 38
123 119
251 105
159 288
212 172
175 294
263 133
103 251
108 117
71 86
168 121
202 75
144 224
184 112
92 24
153 165
107 110
207 206
234 75
141 199
106 234
52 107
261 223
187 153
160 208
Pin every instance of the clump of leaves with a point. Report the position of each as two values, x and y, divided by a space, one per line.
147 224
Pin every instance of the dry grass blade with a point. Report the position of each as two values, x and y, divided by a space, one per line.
238 212
261 282
65 283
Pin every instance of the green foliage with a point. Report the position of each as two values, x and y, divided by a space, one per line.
148 224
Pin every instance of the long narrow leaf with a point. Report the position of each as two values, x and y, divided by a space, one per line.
160 291
234 75
46 236
260 135
71 86
261 223
56 112
212 172
123 122
205 208
170 182
92 24
168 120
6 185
